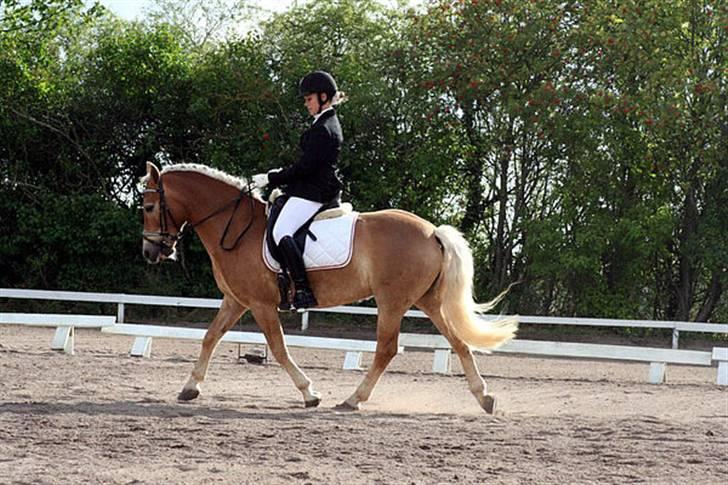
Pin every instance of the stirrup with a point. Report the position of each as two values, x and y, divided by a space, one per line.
304 299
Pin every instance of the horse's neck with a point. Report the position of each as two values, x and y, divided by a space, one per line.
202 196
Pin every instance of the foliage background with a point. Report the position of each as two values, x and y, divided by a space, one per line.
580 146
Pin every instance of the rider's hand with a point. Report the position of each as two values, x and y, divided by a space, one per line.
260 180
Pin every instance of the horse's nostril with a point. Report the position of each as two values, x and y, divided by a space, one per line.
146 254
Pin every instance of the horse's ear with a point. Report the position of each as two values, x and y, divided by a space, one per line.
152 172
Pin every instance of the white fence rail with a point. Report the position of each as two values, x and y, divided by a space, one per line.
65 325
658 358
122 299
142 346
675 326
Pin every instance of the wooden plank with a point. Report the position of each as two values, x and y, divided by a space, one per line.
243 337
331 343
722 379
61 295
172 301
425 341
720 354
597 351
593 322
156 331
352 361
441 363
360 310
350 310
657 372
63 340
702 327
57 320
111 298
572 349
121 298
142 347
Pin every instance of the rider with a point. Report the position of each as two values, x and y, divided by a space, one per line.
311 181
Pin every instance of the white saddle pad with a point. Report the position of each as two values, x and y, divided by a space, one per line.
332 248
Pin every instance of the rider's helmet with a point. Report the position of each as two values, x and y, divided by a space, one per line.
318 82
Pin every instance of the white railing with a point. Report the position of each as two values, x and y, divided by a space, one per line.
656 356
122 299
675 326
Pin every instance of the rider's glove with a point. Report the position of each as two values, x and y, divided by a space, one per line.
260 180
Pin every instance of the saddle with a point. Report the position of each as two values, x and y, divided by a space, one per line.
334 250
300 236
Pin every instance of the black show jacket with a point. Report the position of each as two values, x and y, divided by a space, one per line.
313 176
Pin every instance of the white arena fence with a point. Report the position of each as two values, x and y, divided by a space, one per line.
658 358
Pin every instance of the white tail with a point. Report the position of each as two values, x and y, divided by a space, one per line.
458 307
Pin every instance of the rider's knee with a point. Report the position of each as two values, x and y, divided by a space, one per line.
279 233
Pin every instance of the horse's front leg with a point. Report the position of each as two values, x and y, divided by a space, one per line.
267 318
229 313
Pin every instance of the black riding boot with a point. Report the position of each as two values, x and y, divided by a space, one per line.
303 298
283 288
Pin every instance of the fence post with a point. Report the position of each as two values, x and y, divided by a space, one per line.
304 321
120 313
675 337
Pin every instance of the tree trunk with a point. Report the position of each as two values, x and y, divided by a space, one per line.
502 250
711 301
685 285
473 178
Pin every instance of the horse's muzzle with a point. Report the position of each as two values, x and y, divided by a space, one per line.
152 252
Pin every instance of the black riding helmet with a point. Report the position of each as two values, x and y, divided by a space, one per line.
318 82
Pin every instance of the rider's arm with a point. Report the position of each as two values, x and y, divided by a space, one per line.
318 149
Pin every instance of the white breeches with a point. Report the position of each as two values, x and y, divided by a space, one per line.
293 215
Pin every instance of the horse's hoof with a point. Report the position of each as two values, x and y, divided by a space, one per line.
313 402
345 406
489 403
188 394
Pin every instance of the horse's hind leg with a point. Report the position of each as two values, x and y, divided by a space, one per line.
431 305
388 323
229 313
267 318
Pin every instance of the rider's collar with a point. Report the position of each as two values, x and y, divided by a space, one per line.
316 117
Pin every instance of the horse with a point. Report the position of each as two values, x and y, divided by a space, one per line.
399 259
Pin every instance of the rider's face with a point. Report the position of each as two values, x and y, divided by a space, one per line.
312 104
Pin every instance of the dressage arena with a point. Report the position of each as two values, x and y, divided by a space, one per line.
101 416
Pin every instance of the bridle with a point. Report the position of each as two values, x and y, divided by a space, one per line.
166 240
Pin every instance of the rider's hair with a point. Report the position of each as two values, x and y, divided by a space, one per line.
339 98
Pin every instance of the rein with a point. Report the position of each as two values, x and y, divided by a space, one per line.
166 240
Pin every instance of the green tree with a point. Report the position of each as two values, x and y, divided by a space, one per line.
497 71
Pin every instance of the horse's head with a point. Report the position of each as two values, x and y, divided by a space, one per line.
161 230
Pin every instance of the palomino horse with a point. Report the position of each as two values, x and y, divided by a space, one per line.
399 259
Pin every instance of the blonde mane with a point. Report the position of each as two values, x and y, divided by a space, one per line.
239 183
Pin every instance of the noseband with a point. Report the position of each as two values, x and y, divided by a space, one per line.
166 240
163 238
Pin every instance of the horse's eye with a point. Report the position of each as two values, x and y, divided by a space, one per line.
149 208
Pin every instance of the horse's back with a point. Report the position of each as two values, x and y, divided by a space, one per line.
397 216
397 242
392 224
